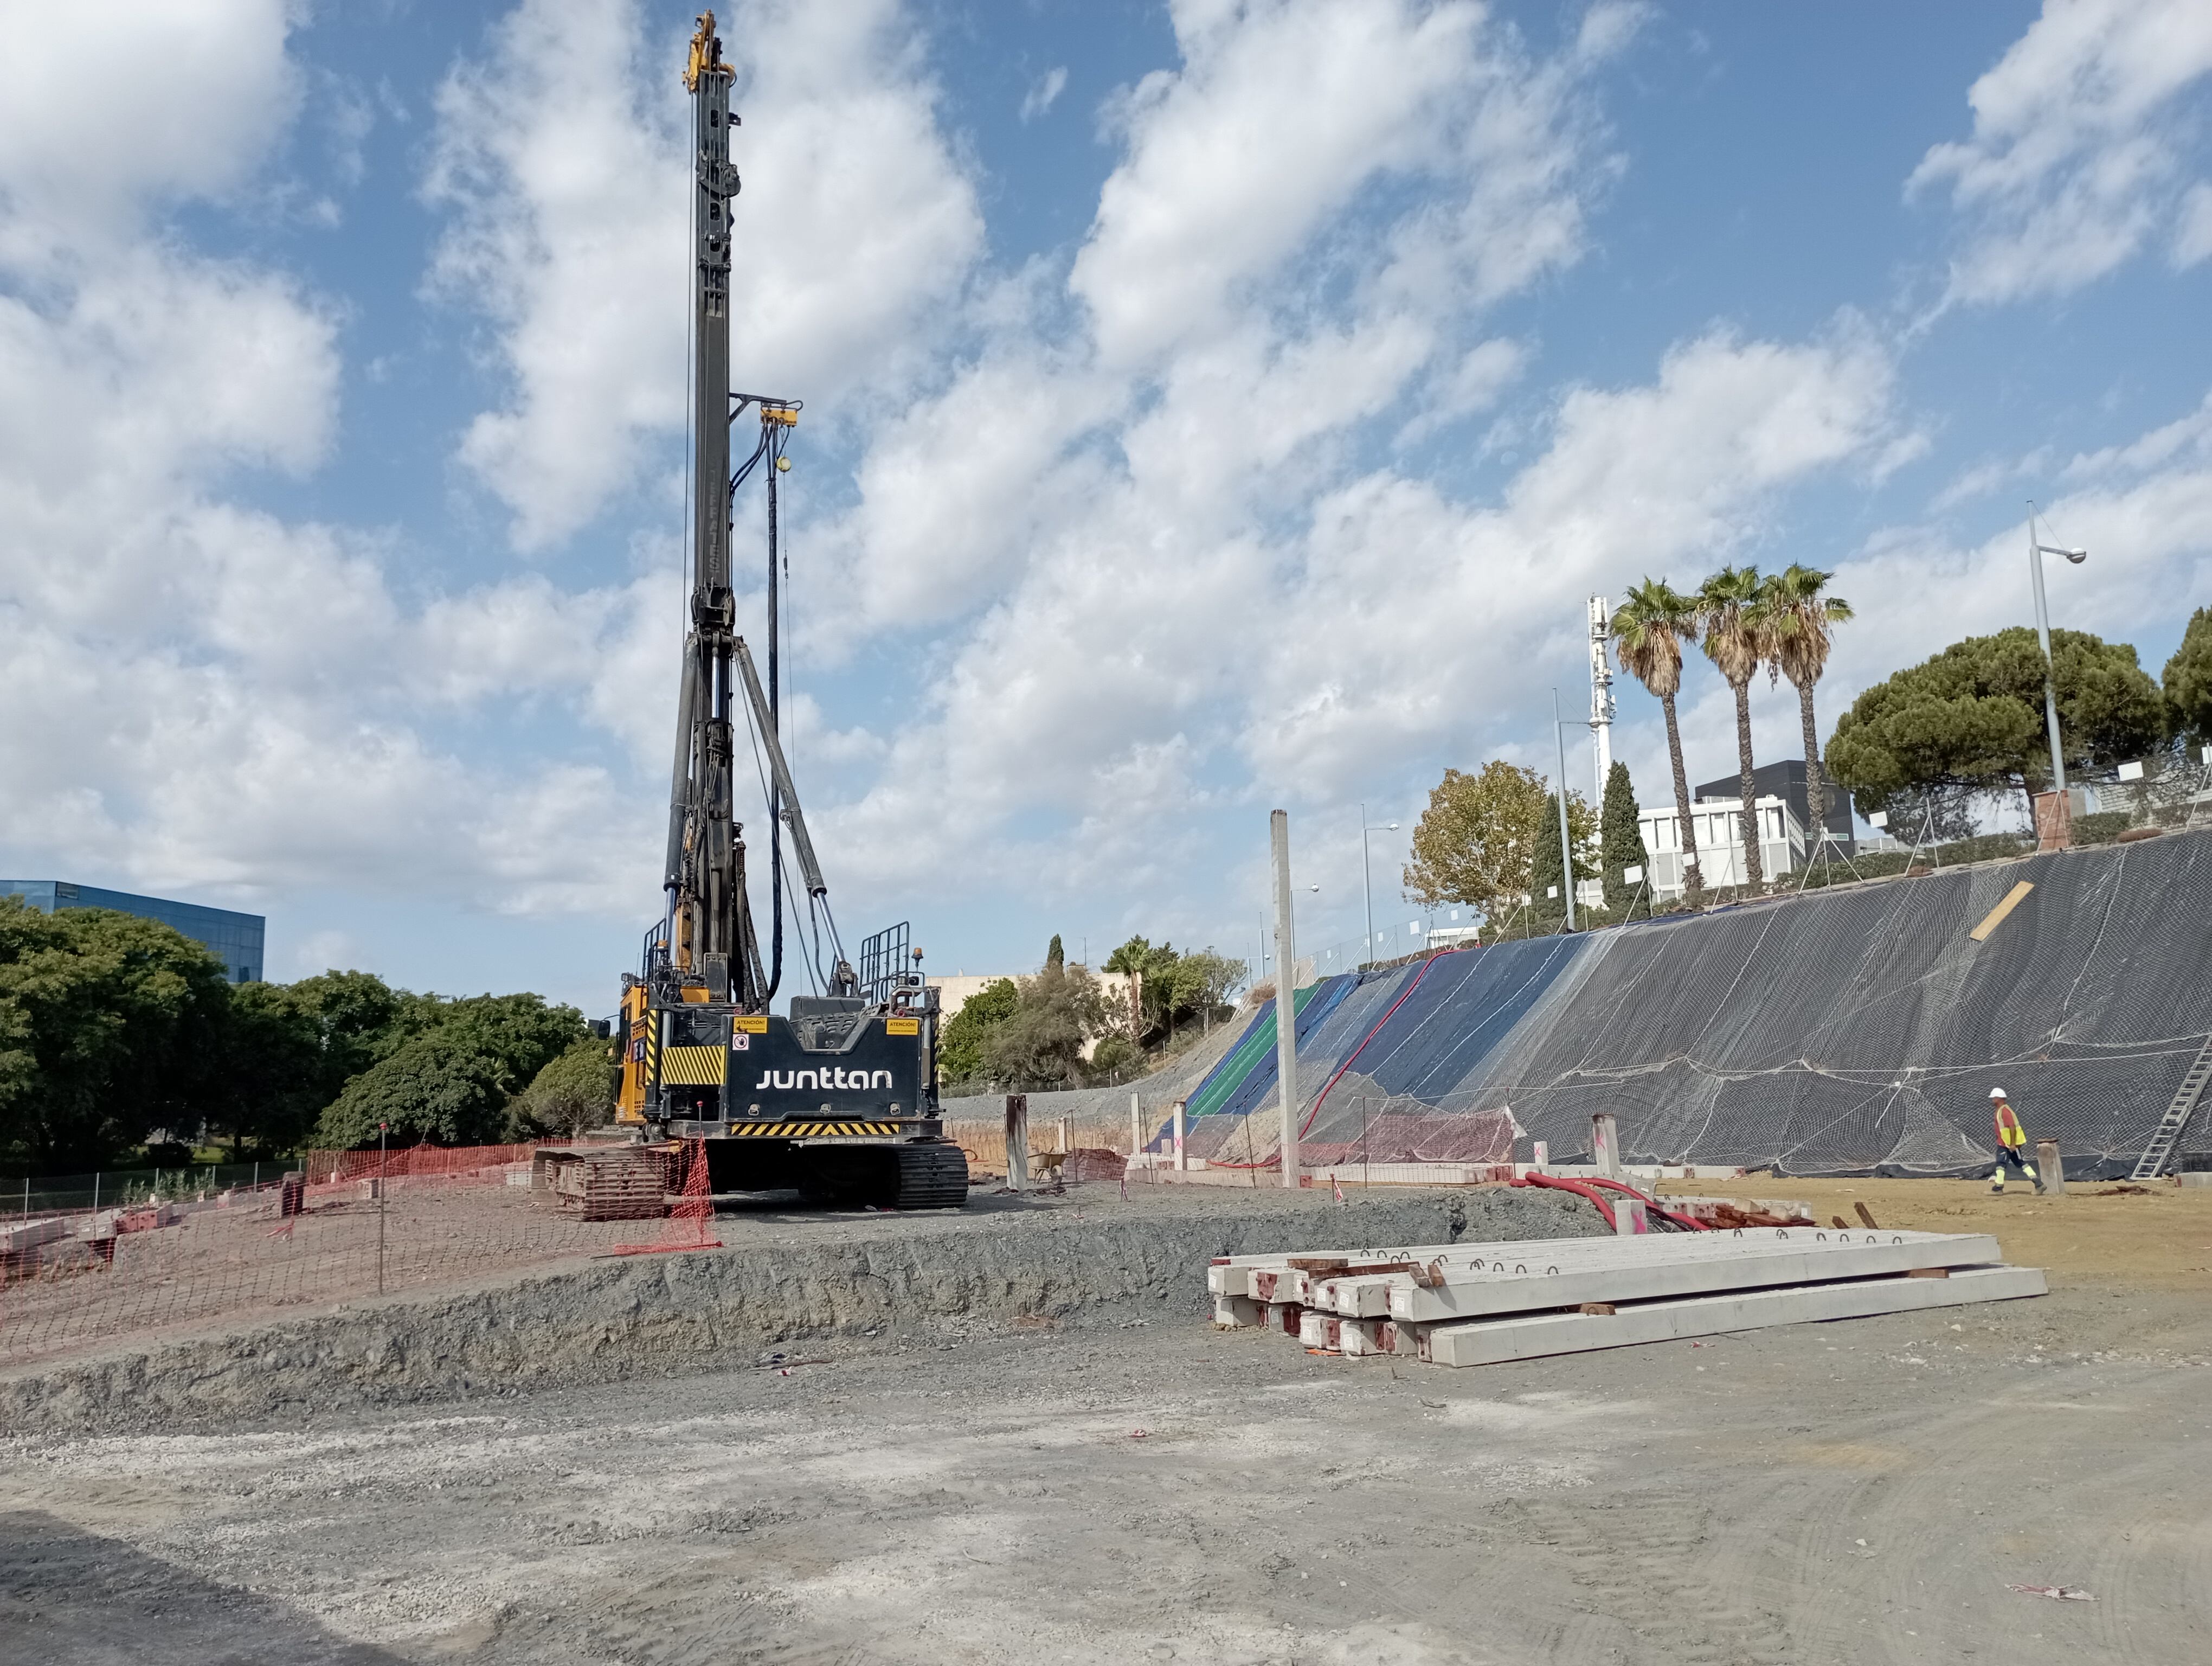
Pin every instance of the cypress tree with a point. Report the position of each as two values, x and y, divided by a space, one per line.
1620 843
1056 957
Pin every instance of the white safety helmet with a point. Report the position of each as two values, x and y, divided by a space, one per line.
1997 1093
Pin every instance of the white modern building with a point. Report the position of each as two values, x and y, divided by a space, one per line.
1719 825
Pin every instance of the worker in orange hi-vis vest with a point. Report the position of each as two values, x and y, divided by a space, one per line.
2012 1143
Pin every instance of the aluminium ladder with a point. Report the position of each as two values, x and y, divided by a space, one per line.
2152 1163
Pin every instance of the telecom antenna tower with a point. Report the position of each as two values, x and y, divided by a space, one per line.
1601 706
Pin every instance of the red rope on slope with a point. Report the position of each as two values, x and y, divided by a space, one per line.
1306 1128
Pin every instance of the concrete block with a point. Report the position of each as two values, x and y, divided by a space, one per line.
1605 1144
1320 1330
1367 1338
1239 1312
1231 1275
1531 1337
2195 1176
1804 1259
30 1234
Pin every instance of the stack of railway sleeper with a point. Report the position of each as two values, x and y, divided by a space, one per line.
1481 1304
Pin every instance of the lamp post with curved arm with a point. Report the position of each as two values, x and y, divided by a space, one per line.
2036 552
1366 891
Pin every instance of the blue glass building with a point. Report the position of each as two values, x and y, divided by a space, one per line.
236 937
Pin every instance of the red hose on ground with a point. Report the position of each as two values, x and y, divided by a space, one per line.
1589 1188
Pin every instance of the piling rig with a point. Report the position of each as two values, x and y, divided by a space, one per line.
838 1097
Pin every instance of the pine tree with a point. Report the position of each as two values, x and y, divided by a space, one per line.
1056 957
1621 843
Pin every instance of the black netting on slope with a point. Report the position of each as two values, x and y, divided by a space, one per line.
1847 1031
1834 1034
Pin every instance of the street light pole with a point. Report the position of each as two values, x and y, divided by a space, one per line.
2036 552
1366 891
1567 845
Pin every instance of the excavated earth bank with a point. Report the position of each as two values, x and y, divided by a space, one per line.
1089 1256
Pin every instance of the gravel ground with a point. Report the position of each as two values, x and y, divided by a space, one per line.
780 1275
1125 1484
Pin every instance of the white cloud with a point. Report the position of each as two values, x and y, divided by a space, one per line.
1123 499
561 159
1043 93
2192 235
201 693
197 92
1633 480
2078 133
1483 374
1271 126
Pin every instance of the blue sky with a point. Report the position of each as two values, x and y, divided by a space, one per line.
1209 407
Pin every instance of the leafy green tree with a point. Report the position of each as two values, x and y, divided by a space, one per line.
110 1027
1055 955
1116 1058
450 1084
573 1092
1971 720
960 1048
1039 1045
1620 842
1479 839
1798 614
1732 613
1649 629
1173 988
276 1078
1204 981
358 1018
2188 678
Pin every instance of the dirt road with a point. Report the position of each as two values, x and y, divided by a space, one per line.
1154 1491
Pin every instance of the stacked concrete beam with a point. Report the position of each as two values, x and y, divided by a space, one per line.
1465 1305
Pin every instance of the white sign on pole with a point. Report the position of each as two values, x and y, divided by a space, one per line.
1631 875
2131 771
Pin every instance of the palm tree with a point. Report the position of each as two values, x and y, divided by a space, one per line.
1731 618
1797 616
1649 629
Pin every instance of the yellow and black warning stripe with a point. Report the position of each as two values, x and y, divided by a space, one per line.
693 1067
807 1130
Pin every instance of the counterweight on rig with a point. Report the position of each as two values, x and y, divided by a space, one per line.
838 1097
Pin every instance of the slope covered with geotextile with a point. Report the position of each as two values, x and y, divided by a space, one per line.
1848 1030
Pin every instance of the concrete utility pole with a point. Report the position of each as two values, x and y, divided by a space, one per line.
1567 845
1287 1019
1601 702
